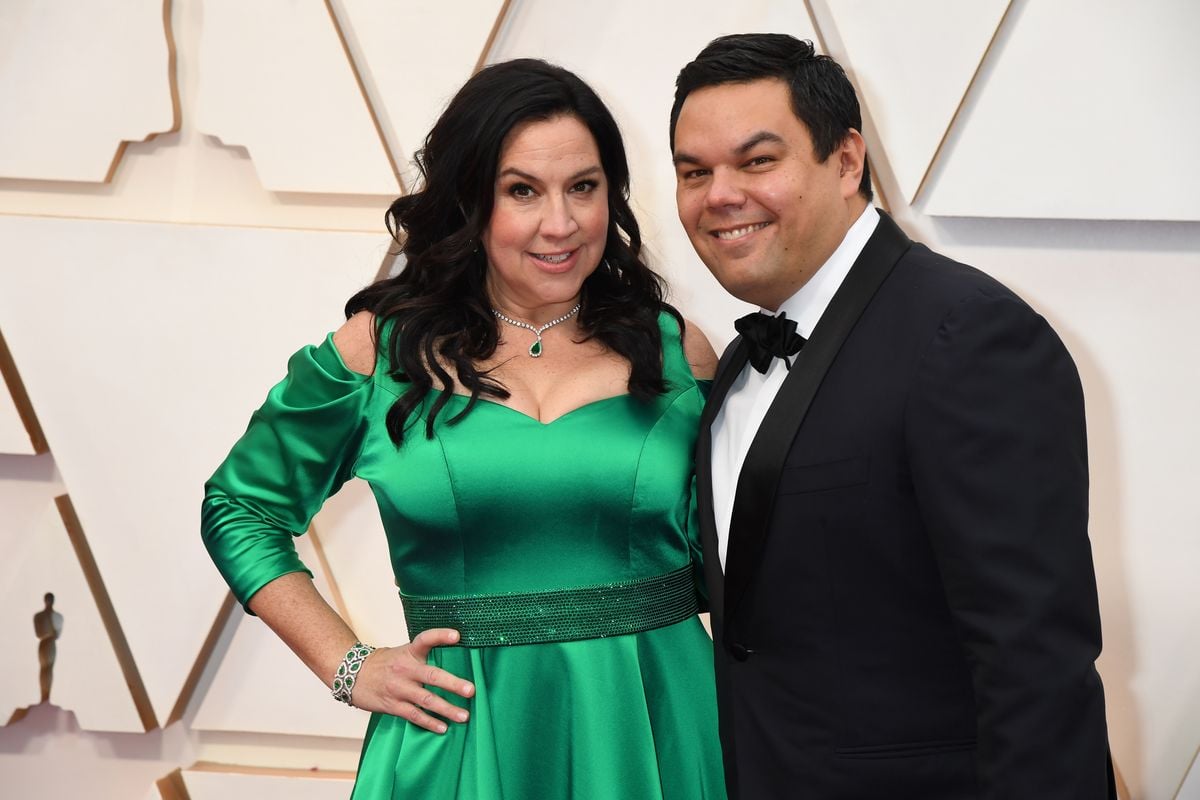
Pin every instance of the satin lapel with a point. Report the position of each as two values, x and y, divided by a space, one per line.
731 365
754 501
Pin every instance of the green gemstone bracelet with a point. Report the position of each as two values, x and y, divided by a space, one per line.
347 672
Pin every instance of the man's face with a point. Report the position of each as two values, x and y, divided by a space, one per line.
761 211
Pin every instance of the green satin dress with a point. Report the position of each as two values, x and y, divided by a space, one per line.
500 503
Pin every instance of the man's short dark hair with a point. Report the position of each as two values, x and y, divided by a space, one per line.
822 96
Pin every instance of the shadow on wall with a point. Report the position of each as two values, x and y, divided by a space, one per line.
124 764
1118 663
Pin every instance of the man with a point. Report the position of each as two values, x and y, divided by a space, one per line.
893 513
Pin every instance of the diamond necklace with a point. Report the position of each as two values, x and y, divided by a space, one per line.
535 349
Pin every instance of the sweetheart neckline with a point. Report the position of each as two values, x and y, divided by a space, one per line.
534 419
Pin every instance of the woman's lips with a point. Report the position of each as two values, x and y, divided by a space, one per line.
561 261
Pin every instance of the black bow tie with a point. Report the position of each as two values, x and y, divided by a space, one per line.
769 337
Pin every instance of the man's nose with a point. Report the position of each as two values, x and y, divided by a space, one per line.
724 190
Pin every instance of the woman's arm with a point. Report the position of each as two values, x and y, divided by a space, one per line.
355 343
299 448
700 354
393 680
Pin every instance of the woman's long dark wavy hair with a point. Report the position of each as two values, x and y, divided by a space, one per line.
438 306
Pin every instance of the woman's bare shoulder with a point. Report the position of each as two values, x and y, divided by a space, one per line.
355 342
699 352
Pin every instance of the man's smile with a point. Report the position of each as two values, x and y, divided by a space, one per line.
731 234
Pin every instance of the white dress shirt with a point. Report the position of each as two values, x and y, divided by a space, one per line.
751 394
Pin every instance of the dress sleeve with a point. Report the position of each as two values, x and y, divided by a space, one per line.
693 521
678 371
696 550
299 448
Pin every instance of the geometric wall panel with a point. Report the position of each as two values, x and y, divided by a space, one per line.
28 487
221 782
912 62
1190 790
275 79
260 685
413 81
13 436
87 676
169 787
161 341
68 105
46 756
18 425
1068 118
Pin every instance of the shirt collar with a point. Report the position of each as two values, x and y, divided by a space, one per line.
807 305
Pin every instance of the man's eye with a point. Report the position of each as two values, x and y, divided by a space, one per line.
692 174
758 161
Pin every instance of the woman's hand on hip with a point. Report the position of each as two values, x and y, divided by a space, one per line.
400 681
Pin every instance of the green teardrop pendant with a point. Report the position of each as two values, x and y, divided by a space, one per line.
535 349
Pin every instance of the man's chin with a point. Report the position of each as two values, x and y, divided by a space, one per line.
743 287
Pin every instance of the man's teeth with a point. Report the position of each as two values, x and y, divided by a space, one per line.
738 233
553 259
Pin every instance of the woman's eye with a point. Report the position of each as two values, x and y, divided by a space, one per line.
585 186
521 190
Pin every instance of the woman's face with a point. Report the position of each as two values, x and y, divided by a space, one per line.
550 218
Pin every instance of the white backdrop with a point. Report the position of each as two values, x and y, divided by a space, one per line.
167 243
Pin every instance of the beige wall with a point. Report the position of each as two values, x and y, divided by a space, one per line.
180 212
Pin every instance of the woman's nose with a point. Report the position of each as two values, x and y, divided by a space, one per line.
559 220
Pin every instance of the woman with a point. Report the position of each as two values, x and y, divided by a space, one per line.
521 401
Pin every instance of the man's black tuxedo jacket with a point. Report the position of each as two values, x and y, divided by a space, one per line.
909 605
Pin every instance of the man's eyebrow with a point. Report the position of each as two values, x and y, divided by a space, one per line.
583 173
743 148
756 140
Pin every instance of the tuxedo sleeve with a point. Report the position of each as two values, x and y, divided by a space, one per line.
997 442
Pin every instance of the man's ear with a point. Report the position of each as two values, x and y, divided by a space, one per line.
851 155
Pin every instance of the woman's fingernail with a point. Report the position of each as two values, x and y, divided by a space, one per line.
462 716
441 728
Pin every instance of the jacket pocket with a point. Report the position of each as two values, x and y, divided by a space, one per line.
824 476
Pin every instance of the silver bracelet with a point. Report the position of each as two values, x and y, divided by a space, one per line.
347 671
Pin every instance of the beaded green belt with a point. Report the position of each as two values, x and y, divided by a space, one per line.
559 615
